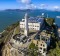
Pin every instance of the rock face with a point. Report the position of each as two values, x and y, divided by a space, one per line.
10 51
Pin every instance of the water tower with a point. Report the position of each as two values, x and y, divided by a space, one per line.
26 30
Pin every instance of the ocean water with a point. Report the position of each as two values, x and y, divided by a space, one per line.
9 17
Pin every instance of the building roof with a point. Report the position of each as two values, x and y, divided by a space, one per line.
31 19
34 20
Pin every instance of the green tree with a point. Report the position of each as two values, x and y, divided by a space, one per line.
55 52
49 21
33 50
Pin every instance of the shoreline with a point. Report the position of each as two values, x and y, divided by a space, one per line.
2 31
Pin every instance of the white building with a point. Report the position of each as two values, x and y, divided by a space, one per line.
34 23
45 37
42 46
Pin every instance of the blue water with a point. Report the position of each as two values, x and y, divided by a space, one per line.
9 17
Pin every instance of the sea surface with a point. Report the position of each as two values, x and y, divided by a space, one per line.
8 17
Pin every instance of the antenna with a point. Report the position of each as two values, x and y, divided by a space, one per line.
42 14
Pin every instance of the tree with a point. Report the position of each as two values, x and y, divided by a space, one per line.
49 21
55 52
33 50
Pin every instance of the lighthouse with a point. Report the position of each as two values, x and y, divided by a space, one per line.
26 30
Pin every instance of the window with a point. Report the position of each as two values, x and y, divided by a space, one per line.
46 39
37 42
40 48
21 24
44 50
37 26
33 25
41 44
40 51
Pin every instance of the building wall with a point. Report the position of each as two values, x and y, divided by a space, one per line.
34 26
42 46
46 37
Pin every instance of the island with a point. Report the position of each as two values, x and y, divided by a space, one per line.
33 36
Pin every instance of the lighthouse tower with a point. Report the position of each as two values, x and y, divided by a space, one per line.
26 30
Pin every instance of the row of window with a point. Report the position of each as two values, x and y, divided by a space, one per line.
31 25
43 49
42 45
35 28
31 28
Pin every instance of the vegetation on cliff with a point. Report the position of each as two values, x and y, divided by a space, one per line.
54 49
